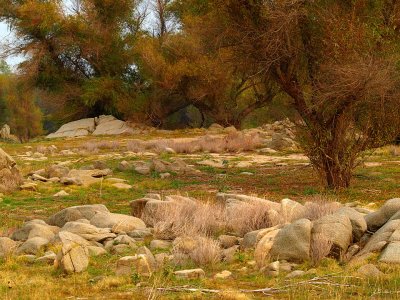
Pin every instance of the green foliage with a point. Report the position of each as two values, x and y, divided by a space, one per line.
4 67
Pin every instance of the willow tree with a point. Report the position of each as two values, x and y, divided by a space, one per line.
81 54
191 66
338 62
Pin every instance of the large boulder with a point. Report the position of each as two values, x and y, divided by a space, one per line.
386 234
337 229
32 246
73 259
292 243
108 125
35 228
74 129
117 222
76 213
74 254
357 221
377 219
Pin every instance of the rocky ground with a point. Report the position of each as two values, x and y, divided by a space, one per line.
192 214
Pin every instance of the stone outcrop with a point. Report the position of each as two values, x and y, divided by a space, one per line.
103 125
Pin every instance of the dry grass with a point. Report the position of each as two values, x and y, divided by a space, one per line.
188 218
394 150
320 248
203 251
96 146
10 180
250 216
233 142
319 207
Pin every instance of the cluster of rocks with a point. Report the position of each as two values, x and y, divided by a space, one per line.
102 125
280 135
78 233
70 237
83 177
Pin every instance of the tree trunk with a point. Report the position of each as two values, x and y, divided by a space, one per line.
337 175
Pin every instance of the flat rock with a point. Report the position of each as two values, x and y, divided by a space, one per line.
117 222
190 274
377 219
77 128
88 231
32 246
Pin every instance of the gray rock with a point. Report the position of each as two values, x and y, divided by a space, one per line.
377 219
380 238
369 270
337 229
47 258
96 251
32 246
75 213
124 239
357 221
88 231
190 274
117 222
33 229
77 128
73 258
391 254
140 233
134 264
292 243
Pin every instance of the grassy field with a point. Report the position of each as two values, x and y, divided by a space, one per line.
375 182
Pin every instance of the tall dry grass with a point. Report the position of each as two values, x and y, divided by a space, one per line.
233 142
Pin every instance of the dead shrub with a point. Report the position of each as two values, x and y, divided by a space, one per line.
10 180
394 150
136 146
94 146
320 248
318 208
250 216
206 251
190 217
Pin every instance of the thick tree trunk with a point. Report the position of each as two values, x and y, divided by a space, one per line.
337 176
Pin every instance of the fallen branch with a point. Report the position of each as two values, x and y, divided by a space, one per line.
320 280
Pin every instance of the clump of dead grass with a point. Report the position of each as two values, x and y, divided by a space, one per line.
318 207
204 251
250 216
233 142
188 217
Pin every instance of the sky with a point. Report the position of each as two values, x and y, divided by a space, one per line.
5 35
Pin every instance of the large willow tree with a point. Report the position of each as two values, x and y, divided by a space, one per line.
337 60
